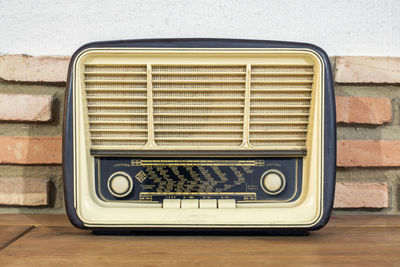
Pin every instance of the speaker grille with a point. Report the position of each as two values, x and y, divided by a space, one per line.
198 106
280 99
117 104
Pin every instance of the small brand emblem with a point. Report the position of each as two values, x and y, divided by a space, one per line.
141 176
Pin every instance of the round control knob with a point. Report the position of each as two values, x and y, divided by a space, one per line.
273 182
120 184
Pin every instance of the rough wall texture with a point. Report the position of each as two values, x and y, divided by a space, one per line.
368 133
356 27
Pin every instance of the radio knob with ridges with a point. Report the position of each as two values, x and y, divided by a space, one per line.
273 182
120 184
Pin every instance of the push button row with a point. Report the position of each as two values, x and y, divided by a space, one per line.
199 203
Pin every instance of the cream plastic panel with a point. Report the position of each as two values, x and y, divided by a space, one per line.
288 82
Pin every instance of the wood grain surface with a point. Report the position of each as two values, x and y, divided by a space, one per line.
9 233
347 240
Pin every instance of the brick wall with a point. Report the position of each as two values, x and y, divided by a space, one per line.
31 108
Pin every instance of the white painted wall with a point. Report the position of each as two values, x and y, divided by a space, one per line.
341 27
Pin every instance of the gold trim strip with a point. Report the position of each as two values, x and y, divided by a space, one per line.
143 162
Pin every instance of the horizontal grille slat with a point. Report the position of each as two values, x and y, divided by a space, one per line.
116 138
175 98
115 73
197 81
115 86
279 114
115 81
196 139
278 131
198 115
279 122
116 114
198 106
118 122
112 68
200 73
117 97
115 90
115 106
257 74
197 122
118 130
198 68
198 90
253 106
283 81
290 68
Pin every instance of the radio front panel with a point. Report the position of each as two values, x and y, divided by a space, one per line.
204 137
255 180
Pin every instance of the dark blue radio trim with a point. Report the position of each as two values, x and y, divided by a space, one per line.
167 182
329 113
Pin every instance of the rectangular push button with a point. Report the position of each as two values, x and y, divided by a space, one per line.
190 204
208 203
226 203
171 203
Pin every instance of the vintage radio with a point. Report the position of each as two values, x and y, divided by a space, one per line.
199 134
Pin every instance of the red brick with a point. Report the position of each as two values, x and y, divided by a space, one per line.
24 191
30 150
33 69
361 195
368 153
363 110
15 107
352 69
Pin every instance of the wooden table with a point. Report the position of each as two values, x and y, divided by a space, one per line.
49 240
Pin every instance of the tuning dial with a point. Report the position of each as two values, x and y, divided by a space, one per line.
273 182
120 184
